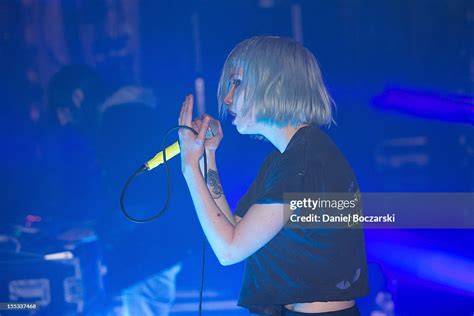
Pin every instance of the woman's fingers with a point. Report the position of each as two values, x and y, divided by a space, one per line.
189 110
181 114
219 128
202 131
197 124
183 117
196 127
186 114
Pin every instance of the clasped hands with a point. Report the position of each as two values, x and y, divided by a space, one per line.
192 145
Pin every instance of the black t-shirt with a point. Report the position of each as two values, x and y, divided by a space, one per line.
303 264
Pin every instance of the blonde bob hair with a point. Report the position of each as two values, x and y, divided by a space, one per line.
281 82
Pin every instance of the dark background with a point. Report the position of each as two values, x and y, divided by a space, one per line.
401 74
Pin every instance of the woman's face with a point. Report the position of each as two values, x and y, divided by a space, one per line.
234 100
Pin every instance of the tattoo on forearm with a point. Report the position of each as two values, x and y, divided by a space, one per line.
214 184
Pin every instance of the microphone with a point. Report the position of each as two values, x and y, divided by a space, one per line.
173 150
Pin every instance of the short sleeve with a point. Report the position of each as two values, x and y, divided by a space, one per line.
247 200
252 193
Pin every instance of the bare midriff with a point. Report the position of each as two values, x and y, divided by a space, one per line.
320 307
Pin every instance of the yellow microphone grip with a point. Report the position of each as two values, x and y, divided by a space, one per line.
171 151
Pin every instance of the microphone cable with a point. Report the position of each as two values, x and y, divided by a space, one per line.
140 171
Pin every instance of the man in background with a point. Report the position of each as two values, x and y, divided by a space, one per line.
114 133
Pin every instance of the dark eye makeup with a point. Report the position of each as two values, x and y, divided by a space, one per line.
236 82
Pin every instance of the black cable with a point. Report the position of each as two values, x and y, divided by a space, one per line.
202 273
141 170
203 246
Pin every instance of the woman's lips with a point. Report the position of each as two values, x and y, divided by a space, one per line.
232 114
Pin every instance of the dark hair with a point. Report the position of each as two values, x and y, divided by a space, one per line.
71 77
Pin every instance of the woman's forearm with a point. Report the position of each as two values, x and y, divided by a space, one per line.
218 229
215 186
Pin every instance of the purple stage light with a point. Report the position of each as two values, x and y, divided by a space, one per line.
436 266
428 105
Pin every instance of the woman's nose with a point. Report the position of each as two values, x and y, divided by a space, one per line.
230 96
